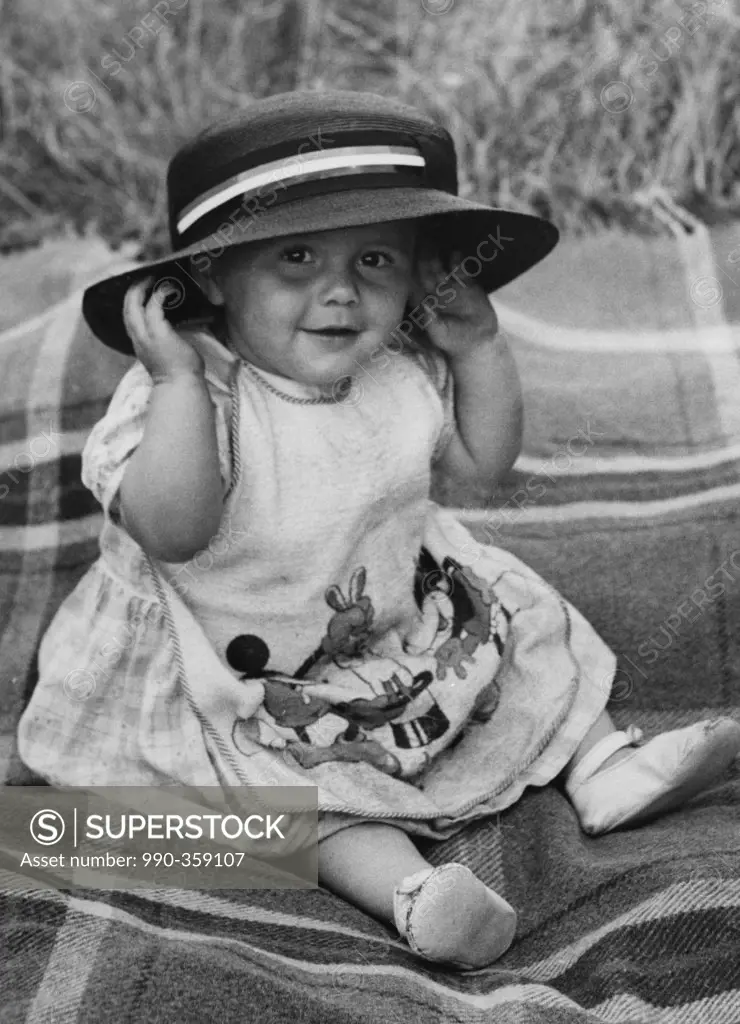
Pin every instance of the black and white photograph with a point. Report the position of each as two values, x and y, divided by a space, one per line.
369 512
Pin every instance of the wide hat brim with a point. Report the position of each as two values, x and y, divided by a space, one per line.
497 246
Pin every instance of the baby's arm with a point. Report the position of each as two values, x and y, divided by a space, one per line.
171 495
488 396
488 412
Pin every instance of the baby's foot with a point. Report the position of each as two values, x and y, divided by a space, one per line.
449 916
609 792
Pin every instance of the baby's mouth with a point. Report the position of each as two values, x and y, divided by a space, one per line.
335 333
333 329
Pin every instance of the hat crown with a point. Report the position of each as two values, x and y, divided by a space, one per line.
300 124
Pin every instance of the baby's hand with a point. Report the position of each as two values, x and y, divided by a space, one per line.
457 323
164 352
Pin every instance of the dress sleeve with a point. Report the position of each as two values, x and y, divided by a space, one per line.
115 438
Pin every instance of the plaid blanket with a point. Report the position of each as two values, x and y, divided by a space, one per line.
625 498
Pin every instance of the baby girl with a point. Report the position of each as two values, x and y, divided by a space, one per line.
319 340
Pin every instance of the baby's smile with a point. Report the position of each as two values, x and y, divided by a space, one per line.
334 334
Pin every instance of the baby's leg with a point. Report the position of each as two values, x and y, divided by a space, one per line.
446 914
364 863
614 780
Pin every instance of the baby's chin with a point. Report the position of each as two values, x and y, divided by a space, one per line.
323 361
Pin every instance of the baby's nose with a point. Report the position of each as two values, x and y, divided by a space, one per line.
341 287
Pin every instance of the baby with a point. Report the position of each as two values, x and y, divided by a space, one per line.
301 611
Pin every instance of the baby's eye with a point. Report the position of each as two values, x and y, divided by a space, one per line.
378 259
295 254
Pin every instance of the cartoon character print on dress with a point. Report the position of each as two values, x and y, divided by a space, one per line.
293 707
458 613
294 703
347 646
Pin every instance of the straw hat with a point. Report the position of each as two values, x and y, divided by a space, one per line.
313 161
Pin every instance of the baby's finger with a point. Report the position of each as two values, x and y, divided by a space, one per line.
158 327
133 310
455 259
171 347
430 274
154 311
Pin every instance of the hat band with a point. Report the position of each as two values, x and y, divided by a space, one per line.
349 160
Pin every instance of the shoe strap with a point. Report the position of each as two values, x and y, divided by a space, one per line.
404 897
599 753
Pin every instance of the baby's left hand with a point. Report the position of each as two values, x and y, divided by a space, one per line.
452 307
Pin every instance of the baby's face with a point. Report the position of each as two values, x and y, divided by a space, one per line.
312 307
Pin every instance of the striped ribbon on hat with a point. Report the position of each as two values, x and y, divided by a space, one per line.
348 160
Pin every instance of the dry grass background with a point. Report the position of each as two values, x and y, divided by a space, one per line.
524 87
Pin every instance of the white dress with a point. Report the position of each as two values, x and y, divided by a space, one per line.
340 631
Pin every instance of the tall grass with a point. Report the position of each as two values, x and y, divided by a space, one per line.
523 86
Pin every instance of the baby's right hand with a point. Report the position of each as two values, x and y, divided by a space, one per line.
164 352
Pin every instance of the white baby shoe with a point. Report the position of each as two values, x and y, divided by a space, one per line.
449 916
660 775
